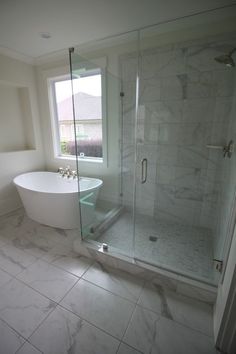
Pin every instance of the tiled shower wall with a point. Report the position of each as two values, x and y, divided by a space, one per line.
185 100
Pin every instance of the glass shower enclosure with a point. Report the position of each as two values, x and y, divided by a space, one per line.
168 130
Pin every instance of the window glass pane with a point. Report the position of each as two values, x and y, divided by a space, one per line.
88 115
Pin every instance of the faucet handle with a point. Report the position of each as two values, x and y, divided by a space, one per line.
60 170
74 174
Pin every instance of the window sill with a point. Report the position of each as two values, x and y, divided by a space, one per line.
83 159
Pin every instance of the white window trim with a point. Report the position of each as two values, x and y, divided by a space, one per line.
55 76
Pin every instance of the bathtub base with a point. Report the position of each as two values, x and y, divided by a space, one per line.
64 216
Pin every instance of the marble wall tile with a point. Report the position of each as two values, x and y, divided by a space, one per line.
201 57
150 90
129 134
223 108
192 156
167 155
165 174
129 68
163 63
63 332
169 133
186 100
187 177
172 88
129 89
100 307
148 151
223 83
200 85
195 194
168 206
150 64
198 110
165 111
23 308
128 113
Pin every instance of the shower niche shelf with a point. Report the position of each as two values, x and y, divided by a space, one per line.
16 124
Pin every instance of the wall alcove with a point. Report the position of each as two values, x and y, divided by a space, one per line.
16 124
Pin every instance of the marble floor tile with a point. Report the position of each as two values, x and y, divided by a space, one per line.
23 308
63 333
27 348
13 260
189 312
10 341
2 242
27 245
118 282
73 263
126 349
56 252
100 307
4 277
48 280
151 334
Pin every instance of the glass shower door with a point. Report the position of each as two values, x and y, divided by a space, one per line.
112 210
185 105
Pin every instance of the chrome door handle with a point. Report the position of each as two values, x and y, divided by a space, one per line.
144 171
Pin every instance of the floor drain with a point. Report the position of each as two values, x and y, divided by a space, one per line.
153 238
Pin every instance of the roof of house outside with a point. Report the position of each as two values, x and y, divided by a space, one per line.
86 107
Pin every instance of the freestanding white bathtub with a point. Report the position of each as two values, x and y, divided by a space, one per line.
53 200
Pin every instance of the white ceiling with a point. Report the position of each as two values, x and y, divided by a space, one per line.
73 22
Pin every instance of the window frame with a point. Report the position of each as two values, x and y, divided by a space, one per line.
55 122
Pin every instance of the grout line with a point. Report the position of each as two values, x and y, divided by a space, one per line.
30 344
89 322
109 291
132 315
13 329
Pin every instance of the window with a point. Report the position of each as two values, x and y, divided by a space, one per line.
88 102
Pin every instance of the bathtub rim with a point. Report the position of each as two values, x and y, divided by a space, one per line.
57 193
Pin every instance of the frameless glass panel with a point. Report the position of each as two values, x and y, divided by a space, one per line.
107 210
185 108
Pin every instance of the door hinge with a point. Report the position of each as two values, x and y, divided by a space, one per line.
218 265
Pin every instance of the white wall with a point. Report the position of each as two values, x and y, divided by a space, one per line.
13 163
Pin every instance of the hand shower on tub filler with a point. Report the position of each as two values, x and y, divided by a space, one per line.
67 172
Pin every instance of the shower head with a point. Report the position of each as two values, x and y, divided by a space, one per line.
226 59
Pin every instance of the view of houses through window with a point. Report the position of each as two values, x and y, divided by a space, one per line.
88 114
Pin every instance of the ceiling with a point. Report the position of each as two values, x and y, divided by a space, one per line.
73 22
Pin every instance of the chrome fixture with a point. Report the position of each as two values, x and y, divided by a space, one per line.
227 149
105 247
67 172
226 58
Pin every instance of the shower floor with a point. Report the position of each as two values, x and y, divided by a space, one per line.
182 248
